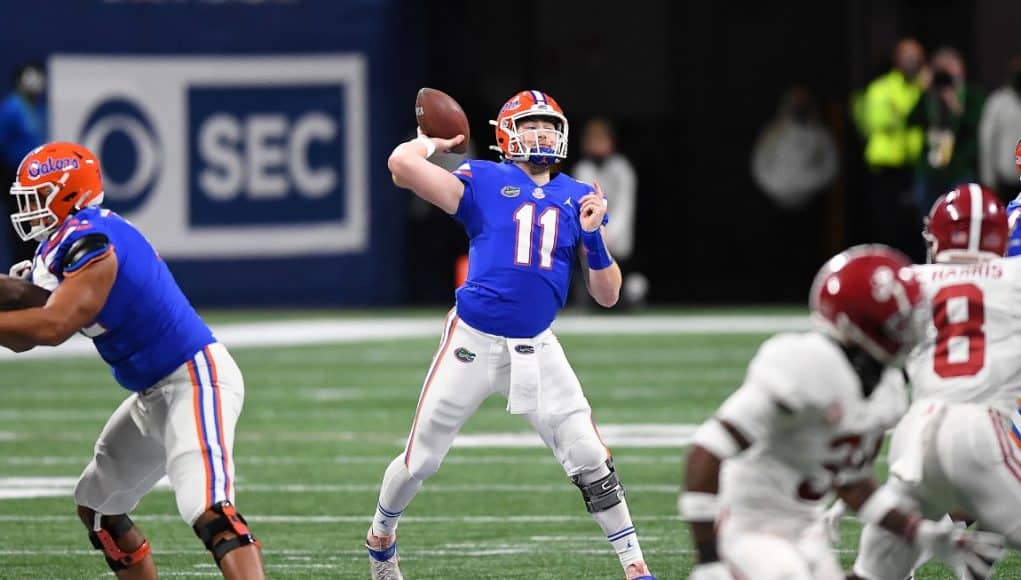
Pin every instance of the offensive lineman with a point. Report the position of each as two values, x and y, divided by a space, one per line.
525 229
959 446
94 272
808 423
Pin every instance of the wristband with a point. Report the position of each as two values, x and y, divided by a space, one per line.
430 147
877 506
595 250
698 506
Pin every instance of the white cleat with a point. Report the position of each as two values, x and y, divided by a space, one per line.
383 557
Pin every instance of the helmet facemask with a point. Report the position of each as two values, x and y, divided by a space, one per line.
34 219
543 156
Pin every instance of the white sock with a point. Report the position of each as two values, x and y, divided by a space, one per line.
397 491
617 525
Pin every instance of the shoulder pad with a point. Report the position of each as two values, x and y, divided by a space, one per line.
83 250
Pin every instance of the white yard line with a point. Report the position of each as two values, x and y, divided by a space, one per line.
305 520
81 460
63 486
331 331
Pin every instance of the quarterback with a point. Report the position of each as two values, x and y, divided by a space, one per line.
94 273
525 229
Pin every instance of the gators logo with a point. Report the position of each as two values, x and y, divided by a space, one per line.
464 355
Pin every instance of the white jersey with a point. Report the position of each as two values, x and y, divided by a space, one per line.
972 352
811 427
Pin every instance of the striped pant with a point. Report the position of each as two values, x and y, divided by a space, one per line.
972 462
181 427
472 365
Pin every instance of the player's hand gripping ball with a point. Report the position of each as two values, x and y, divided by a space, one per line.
440 116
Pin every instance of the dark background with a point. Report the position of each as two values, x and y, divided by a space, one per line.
690 84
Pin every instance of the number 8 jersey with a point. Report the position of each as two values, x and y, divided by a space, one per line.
523 242
972 351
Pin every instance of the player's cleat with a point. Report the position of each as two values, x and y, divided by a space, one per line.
638 571
383 556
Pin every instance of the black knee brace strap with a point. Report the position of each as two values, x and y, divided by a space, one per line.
602 494
228 520
105 539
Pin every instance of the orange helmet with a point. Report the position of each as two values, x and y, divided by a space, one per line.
54 181
523 105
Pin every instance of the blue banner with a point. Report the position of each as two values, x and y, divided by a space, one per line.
247 140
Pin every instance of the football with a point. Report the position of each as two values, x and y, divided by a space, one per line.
439 115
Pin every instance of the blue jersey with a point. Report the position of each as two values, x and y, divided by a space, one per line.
523 242
147 328
1013 214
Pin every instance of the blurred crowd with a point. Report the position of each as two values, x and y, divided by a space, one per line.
923 128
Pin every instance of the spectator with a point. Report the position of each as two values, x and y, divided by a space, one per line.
892 147
949 114
998 132
795 156
603 163
22 128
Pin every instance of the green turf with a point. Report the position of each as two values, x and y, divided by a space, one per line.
321 424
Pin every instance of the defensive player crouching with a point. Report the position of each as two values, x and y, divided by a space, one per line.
94 272
808 422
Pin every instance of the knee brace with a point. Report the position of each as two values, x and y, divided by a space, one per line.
602 494
106 530
226 520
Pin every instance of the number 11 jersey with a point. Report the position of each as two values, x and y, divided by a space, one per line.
972 352
523 242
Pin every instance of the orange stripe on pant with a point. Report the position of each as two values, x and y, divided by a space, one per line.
452 326
219 422
198 427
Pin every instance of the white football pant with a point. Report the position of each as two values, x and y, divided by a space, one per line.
971 461
182 427
754 549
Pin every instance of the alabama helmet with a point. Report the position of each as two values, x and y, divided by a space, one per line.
967 224
509 141
868 296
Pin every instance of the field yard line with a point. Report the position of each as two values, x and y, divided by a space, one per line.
339 330
299 519
31 487
359 553
81 460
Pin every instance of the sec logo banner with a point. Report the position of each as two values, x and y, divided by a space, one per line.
205 154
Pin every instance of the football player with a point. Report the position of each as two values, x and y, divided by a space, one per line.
957 449
806 425
525 228
1014 211
94 273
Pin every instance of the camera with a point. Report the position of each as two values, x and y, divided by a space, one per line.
942 79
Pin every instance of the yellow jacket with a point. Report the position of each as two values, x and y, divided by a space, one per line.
888 100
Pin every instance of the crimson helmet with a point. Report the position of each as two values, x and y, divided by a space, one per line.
54 181
868 296
967 224
509 142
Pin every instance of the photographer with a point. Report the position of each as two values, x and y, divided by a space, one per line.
949 113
